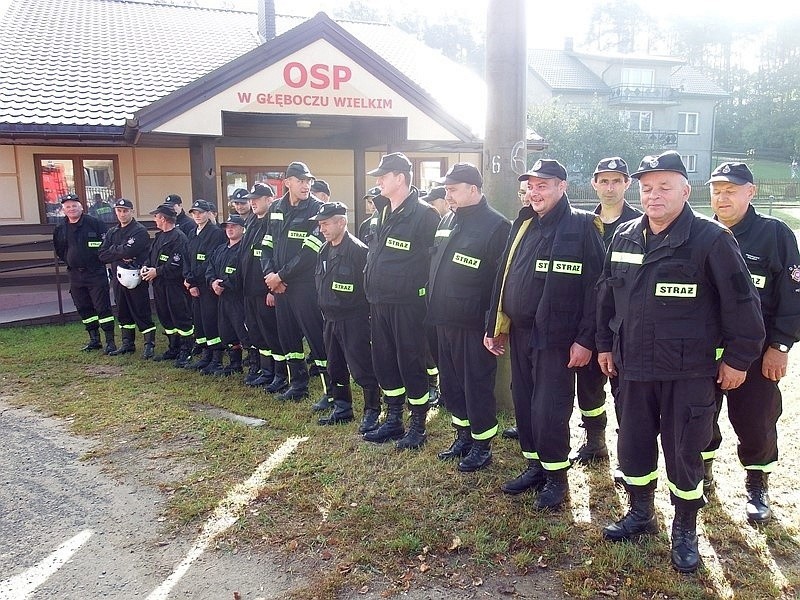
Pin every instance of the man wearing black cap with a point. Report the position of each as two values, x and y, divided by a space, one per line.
436 198
321 190
183 221
544 306
468 248
126 247
265 358
398 265
240 203
340 292
769 249
369 210
165 269
77 240
203 239
674 291
294 242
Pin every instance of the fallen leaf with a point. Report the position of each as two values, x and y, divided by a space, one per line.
363 589
455 544
541 563
424 567
344 568
292 545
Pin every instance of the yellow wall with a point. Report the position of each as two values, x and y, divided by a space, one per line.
10 205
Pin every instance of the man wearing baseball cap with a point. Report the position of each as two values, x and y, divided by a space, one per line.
321 190
543 307
769 249
183 221
674 290
240 203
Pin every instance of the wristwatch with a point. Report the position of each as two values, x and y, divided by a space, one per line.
779 347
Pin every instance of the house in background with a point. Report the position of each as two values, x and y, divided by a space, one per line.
663 98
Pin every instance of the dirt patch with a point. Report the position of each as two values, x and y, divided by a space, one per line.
103 371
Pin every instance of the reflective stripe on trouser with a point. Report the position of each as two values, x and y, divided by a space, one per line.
262 324
133 307
398 349
590 383
92 301
172 307
205 308
753 411
466 377
543 391
347 348
682 413
299 317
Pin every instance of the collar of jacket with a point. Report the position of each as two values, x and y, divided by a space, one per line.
743 225
526 212
464 212
678 234
406 206
284 205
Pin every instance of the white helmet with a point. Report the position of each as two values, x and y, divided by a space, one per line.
130 278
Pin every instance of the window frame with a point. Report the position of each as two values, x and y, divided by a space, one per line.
690 161
683 122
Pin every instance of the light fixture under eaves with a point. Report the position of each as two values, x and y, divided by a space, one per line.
303 123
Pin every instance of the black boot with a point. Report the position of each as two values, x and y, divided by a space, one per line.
372 410
149 345
197 349
434 394
594 448
640 518
201 363
215 363
171 353
298 381
184 352
342 407
234 362
254 367
758 510
391 429
111 344
280 381
325 401
460 446
415 436
532 478
127 346
94 341
685 554
554 492
266 370
479 456
708 476
510 433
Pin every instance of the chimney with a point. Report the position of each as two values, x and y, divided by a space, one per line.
266 19
569 44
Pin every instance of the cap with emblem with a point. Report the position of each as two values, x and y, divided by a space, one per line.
372 192
203 205
123 203
259 190
320 185
396 162
164 209
463 173
732 172
328 210
666 161
545 168
239 195
69 198
299 170
613 164
173 199
233 220
437 193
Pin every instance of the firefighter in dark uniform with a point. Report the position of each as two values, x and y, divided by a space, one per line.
544 305
77 240
340 293
204 238
240 204
769 249
398 264
674 289
126 248
294 242
369 207
463 269
183 222
165 269
223 279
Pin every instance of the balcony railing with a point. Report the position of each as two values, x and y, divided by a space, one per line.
643 94
661 138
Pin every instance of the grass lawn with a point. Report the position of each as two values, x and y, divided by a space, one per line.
365 515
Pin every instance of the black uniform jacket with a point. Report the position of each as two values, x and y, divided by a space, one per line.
129 245
223 264
628 214
81 251
400 243
185 223
293 240
254 246
467 250
769 249
665 312
199 249
168 255
566 268
340 280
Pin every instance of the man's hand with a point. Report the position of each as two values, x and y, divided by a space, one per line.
216 285
274 283
194 292
729 378
148 273
606 362
774 363
186 284
270 301
496 345
578 356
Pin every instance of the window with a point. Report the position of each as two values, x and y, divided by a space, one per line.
641 78
246 177
92 178
690 160
637 120
687 122
426 170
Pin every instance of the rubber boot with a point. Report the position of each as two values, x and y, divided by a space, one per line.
280 381
372 410
325 401
215 363
594 448
254 360
111 344
127 346
532 478
510 433
149 345
266 370
298 381
416 436
197 349
342 406
461 445
479 457
640 518
171 353
234 362
708 476
184 352
554 492
758 510
434 394
94 341
201 363
391 428
685 554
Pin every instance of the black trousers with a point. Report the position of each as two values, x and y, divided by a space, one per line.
466 375
133 307
543 391
230 320
592 395
299 316
172 308
682 413
90 294
753 410
205 308
399 350
262 326
348 352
